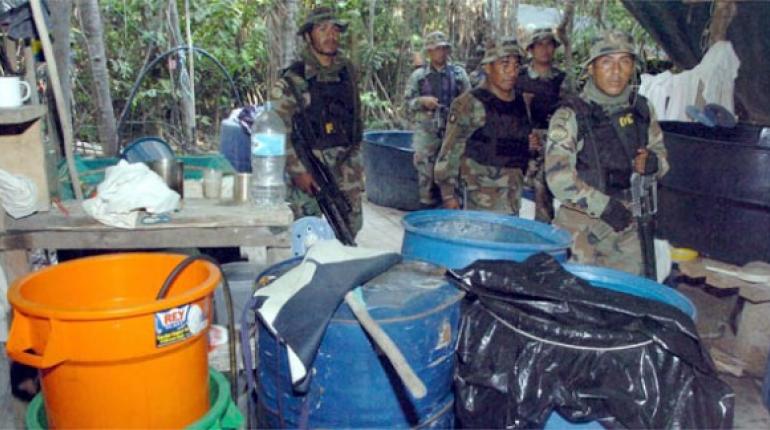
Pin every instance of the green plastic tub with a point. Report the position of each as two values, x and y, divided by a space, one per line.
224 414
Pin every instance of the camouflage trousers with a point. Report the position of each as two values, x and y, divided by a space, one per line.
491 188
426 146
595 242
347 169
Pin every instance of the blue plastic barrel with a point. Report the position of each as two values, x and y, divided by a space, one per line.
623 282
454 239
391 179
352 386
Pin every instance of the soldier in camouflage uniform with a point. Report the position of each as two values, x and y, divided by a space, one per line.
540 83
488 140
326 83
429 93
595 142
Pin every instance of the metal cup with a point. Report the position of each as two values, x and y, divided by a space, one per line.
171 171
241 187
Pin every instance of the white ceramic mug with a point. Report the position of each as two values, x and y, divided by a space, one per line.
10 91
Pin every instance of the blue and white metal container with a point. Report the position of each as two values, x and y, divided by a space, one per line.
353 386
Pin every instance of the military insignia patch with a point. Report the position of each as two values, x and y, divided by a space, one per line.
626 120
277 92
452 118
557 134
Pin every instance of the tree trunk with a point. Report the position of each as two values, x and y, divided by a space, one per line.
61 13
184 81
282 44
289 48
91 23
564 32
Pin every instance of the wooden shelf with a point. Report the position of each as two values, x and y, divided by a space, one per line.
21 114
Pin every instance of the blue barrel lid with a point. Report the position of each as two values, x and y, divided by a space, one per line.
486 230
410 289
623 282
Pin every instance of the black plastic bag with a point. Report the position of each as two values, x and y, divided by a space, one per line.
536 339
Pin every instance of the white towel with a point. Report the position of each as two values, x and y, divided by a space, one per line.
126 189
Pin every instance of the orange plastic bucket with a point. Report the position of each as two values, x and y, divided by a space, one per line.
110 354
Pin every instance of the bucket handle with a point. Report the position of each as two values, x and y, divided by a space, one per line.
20 343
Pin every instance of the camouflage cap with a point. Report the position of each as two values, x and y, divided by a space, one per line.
611 42
505 47
435 40
539 34
319 15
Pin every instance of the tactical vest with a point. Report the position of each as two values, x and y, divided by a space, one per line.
442 86
331 110
546 92
503 141
610 143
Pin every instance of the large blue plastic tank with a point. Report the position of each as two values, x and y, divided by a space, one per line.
354 387
455 239
391 179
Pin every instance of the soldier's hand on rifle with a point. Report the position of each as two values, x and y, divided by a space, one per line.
645 162
429 102
616 215
305 183
452 203
535 144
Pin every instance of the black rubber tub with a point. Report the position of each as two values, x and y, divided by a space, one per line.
716 198
391 179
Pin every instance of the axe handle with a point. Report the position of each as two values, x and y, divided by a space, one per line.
411 381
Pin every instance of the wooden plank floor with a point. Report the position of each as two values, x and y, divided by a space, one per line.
382 229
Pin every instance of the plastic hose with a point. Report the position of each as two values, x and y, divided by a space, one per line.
159 58
228 305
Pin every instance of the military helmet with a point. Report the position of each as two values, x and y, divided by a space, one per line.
436 39
539 34
611 42
319 15
504 47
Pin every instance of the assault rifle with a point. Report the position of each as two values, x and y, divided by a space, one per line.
644 205
332 202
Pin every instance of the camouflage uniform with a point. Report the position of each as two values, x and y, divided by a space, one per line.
587 129
493 182
344 161
542 92
445 84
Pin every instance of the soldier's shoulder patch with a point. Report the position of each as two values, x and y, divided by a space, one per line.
557 133
452 118
278 90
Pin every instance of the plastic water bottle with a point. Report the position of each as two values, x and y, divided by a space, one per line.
268 158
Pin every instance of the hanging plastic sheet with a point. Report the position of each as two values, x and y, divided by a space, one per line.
535 340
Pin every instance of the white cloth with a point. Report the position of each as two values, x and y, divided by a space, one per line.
670 94
128 188
18 194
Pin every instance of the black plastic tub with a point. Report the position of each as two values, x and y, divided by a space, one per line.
391 179
716 198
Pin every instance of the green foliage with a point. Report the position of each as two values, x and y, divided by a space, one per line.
236 33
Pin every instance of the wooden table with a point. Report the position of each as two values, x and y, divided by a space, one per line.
200 223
